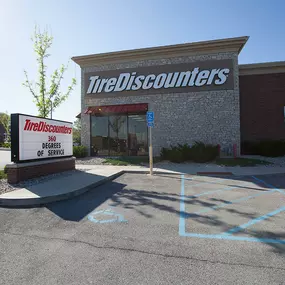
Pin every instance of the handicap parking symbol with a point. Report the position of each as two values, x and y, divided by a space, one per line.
106 216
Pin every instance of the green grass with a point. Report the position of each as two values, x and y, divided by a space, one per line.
138 160
3 175
241 162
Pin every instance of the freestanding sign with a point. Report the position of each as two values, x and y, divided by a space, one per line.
150 124
36 138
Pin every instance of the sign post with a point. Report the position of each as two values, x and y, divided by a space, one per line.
150 124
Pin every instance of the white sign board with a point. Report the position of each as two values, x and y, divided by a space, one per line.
43 138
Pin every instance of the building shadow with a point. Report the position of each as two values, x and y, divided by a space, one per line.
77 208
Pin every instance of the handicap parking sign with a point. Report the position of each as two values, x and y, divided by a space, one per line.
150 117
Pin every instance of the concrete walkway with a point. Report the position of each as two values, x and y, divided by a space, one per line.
195 168
65 187
90 176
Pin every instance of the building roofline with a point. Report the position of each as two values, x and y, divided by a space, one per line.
262 68
212 46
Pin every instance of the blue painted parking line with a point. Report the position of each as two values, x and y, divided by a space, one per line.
254 221
268 185
182 208
223 236
211 192
211 182
235 238
221 205
202 182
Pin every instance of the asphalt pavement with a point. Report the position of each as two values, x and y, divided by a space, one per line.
138 229
5 158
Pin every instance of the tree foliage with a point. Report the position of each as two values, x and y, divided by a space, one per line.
77 131
5 122
46 93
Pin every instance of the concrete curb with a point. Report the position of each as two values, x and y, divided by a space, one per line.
215 173
4 148
35 202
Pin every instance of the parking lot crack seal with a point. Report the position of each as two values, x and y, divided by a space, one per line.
143 251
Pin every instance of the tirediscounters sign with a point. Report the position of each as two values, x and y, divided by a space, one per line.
35 138
171 78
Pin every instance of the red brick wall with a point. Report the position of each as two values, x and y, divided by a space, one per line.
262 101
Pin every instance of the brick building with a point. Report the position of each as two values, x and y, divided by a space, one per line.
197 91
262 101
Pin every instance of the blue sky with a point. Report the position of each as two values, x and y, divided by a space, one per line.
90 26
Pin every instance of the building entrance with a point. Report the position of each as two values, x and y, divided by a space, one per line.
119 135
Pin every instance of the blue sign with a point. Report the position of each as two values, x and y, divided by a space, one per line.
150 117
151 125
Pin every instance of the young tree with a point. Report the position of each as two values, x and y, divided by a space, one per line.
5 122
46 96
116 126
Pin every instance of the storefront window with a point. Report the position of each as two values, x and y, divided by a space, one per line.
99 136
119 135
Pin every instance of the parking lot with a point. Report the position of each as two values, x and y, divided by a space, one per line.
165 229
238 209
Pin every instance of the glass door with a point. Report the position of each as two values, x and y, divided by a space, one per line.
118 135
99 136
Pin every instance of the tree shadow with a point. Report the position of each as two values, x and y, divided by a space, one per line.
249 188
219 200
208 220
137 198
243 214
143 201
278 248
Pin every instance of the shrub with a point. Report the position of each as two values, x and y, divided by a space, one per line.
250 147
186 151
80 151
5 145
164 153
271 148
199 152
175 155
3 175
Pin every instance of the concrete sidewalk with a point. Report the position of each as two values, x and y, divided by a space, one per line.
89 176
195 168
64 187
